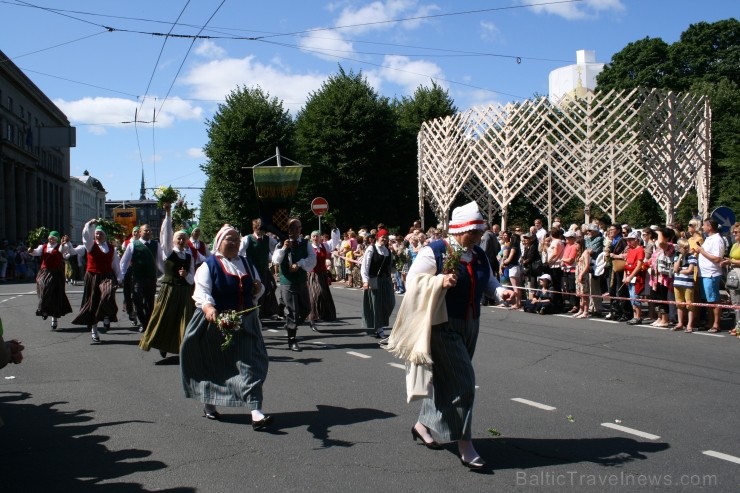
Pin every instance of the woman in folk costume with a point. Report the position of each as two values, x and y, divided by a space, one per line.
101 279
53 300
322 302
379 300
437 325
198 248
213 372
174 305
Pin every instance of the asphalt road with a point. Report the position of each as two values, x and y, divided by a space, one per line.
577 405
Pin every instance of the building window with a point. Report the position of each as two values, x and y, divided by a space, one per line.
10 104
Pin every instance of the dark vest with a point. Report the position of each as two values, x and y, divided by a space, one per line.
258 251
380 265
294 255
143 260
462 296
230 292
172 266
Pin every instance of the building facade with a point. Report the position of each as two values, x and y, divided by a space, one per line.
87 197
34 157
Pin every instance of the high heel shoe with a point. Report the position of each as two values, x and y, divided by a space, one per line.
476 463
262 424
430 445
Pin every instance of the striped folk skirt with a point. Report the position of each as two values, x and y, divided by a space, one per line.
224 377
52 296
98 299
449 411
378 304
322 303
173 309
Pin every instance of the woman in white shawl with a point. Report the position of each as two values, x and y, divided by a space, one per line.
437 325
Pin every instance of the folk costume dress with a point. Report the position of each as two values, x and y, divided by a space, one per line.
322 302
53 300
102 276
233 376
174 306
258 251
379 300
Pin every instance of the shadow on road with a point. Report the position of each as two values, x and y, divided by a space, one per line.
321 421
527 453
47 449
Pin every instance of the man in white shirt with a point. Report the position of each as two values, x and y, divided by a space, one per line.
709 255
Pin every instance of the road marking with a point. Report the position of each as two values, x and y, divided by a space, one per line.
398 365
273 330
533 404
603 320
319 344
707 334
631 431
359 355
720 455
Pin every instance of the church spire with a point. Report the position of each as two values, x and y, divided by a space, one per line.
142 192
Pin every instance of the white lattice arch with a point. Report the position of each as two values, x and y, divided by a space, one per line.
604 149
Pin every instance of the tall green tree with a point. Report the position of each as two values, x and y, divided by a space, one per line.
705 60
345 133
244 131
427 103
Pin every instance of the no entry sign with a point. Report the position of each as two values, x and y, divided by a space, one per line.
319 206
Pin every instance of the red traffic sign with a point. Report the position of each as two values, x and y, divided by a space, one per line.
319 206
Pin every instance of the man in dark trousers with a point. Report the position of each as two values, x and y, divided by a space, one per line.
491 246
296 259
141 257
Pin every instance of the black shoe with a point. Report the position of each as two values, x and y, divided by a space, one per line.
44 316
476 463
141 329
215 415
635 321
293 346
95 338
277 317
263 423
430 445
54 325
623 319
163 354
313 327
104 328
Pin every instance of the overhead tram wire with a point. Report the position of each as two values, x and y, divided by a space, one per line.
420 17
186 56
398 69
55 46
159 57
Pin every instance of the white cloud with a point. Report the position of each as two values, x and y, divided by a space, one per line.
409 73
326 44
195 153
489 31
586 9
375 15
113 111
209 49
218 78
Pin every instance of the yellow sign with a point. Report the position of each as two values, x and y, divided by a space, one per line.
126 218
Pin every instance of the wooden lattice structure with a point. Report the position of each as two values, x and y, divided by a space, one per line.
604 149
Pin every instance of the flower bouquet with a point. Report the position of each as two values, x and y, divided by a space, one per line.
451 259
165 195
228 323
182 214
400 258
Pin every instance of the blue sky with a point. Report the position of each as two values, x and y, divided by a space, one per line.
100 77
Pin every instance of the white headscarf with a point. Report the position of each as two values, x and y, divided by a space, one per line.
225 229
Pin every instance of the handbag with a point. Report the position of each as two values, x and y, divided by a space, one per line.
418 381
733 279
618 265
600 264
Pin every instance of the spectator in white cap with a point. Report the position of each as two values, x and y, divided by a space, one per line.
444 287
542 302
